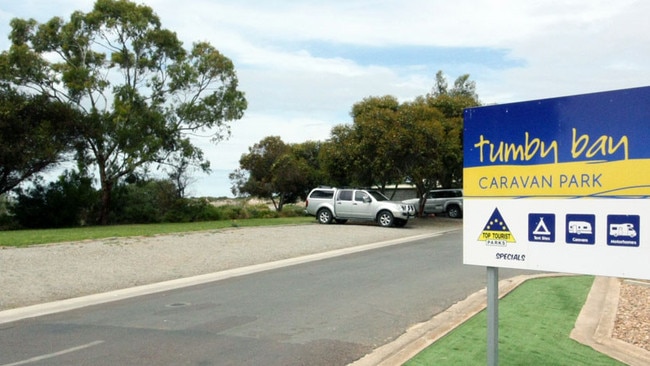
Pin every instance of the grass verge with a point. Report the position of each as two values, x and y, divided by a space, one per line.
21 238
535 321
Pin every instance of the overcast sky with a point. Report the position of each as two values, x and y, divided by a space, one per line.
303 64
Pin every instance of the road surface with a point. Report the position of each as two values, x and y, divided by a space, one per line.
329 312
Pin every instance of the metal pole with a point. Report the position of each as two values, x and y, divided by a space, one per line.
493 316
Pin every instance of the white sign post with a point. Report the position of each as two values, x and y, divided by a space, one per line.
493 316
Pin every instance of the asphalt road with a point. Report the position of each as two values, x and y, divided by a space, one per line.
330 312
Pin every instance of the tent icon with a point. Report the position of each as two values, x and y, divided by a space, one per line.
541 228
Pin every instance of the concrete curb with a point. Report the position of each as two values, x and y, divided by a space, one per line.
596 322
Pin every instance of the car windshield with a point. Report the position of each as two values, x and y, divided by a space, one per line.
378 196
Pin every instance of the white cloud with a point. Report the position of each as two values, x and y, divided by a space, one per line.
536 49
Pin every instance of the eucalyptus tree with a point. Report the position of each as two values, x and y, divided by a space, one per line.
452 102
254 173
375 131
278 171
140 93
336 157
424 145
35 133
388 142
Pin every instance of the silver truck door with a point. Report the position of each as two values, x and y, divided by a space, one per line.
362 205
344 203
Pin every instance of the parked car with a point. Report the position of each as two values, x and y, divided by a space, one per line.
437 201
340 205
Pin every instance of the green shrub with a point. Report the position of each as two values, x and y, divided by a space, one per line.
136 204
8 222
70 201
233 212
292 211
193 210
204 211
260 211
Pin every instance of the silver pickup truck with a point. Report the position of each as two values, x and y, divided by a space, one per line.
341 205
437 201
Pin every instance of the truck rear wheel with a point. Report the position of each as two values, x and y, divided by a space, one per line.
454 212
324 216
385 219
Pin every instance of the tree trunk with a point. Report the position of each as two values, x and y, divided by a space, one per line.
105 209
281 204
421 205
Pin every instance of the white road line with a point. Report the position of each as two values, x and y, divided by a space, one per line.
55 354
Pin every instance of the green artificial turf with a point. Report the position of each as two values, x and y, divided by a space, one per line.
535 321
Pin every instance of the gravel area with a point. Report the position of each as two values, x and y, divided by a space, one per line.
632 324
45 273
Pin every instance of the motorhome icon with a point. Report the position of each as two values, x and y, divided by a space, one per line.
580 227
625 229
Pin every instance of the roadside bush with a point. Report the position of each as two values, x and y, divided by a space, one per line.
8 222
70 201
261 211
192 210
134 204
243 210
292 211
143 202
233 212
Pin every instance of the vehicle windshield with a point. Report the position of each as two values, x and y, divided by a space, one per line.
378 196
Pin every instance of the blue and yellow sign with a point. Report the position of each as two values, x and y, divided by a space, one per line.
563 172
595 145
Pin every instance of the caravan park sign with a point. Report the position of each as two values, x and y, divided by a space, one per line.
560 184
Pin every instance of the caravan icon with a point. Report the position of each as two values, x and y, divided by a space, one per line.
579 227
